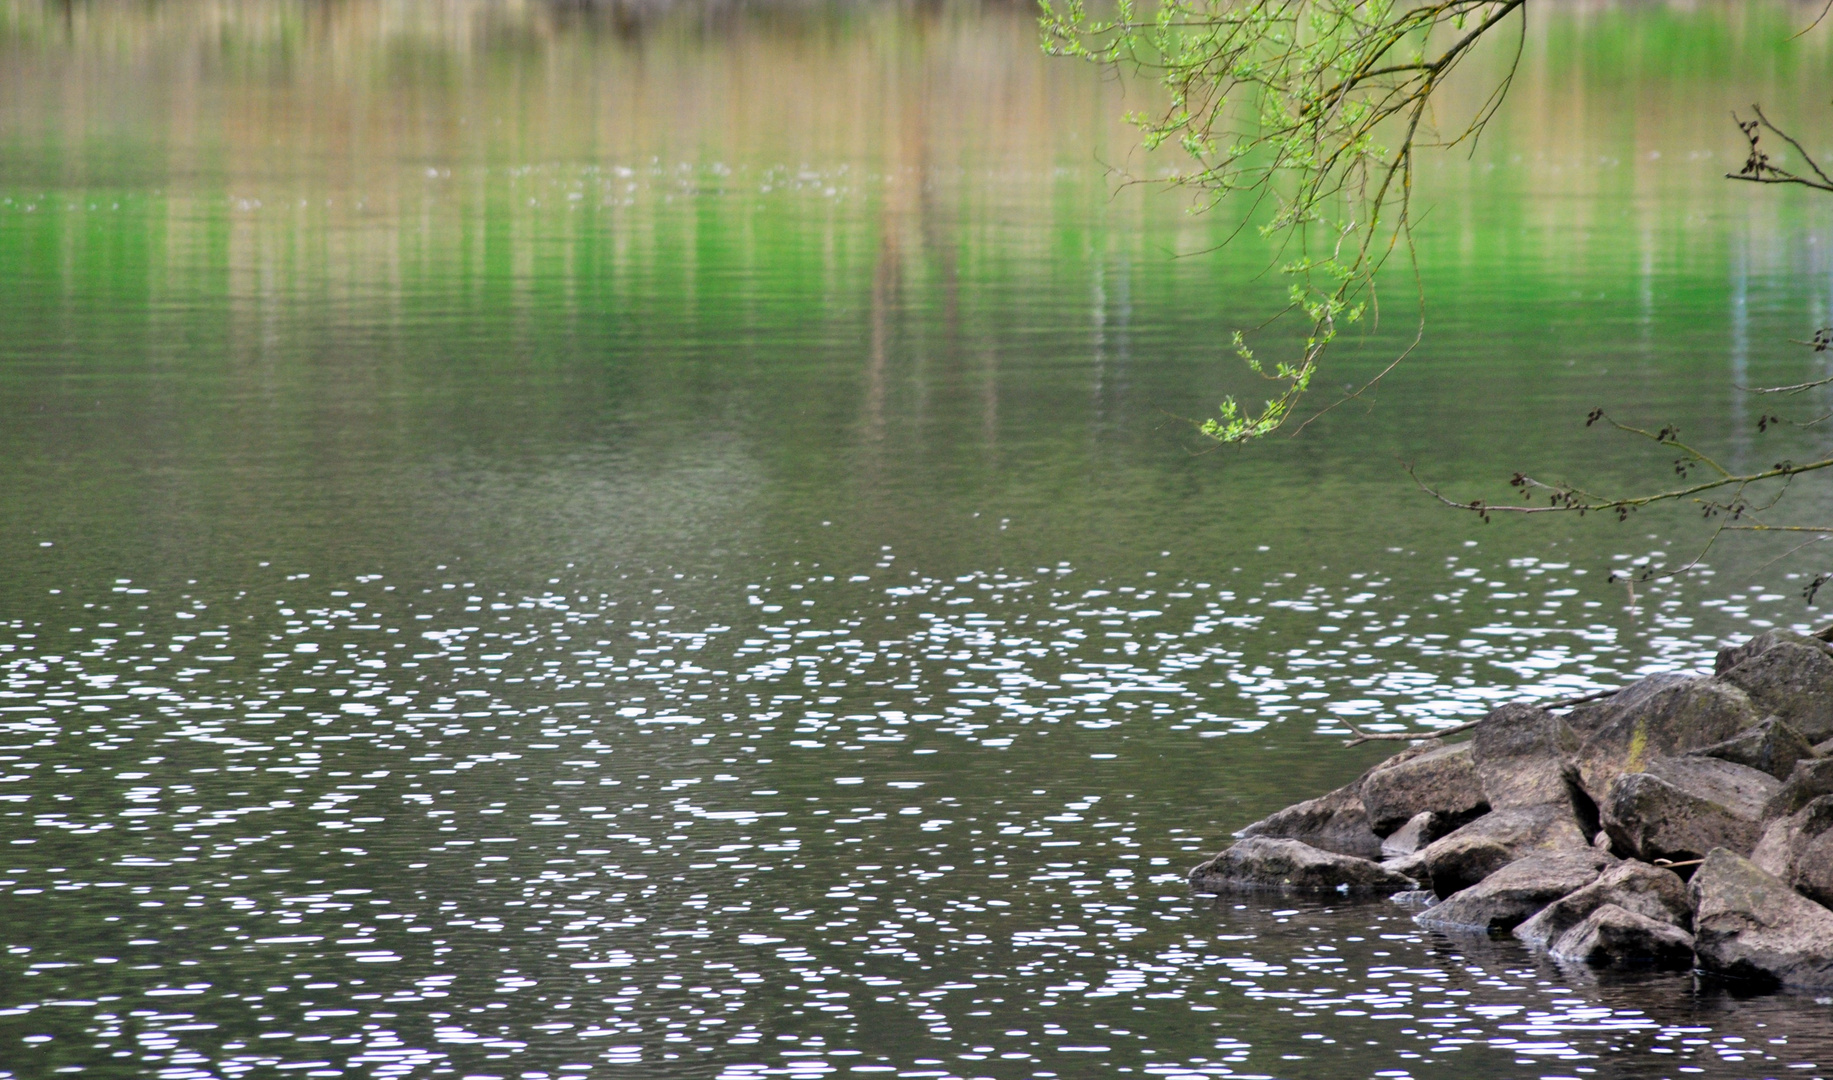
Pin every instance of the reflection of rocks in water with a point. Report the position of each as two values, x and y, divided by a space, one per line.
1689 777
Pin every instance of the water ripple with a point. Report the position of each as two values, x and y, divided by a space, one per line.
404 828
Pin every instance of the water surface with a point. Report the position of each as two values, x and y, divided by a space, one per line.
661 542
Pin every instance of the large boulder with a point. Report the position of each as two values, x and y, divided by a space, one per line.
1506 898
1649 891
1334 822
1793 680
1799 850
1591 716
1807 781
1524 756
1784 837
1760 644
1772 747
1614 937
1443 780
1683 714
1683 807
1748 924
1288 865
1462 858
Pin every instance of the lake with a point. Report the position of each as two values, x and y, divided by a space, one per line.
549 539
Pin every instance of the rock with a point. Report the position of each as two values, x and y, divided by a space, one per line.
1772 747
1262 863
1811 874
1614 937
1783 838
1333 822
1524 756
1649 891
1756 646
1415 898
1794 681
1748 924
1681 715
1683 807
1466 856
1412 866
1506 898
1799 850
1807 781
1336 821
1421 829
1442 780
1593 715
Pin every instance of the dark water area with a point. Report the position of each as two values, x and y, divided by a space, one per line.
544 541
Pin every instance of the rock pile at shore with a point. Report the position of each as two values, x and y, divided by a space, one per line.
1679 822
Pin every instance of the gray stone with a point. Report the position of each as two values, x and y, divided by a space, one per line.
1783 837
1649 891
1333 822
1683 807
1772 747
1506 898
1336 821
1524 756
1807 781
1794 681
1748 924
1466 856
1289 865
1421 829
1614 937
1799 850
1593 715
1681 715
1758 645
1811 875
1442 780
1413 866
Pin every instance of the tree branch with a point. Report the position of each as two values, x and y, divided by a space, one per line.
1759 169
1287 98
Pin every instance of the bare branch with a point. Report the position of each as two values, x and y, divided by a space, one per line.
1759 169
1401 736
1818 19
1579 505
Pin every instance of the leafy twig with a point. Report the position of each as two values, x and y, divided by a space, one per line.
1283 100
